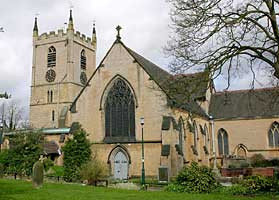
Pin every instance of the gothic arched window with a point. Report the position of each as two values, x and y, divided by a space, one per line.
119 113
82 60
223 142
51 57
273 135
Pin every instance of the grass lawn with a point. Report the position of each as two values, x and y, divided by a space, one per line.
22 190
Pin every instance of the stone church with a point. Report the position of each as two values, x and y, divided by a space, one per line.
111 100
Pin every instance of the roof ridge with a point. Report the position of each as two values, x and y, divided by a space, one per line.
247 90
189 74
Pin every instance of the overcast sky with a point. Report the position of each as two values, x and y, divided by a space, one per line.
145 30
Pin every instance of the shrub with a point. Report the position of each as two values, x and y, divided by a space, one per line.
1 170
38 174
76 152
257 160
236 190
58 171
4 161
48 163
257 183
244 164
194 179
93 171
174 188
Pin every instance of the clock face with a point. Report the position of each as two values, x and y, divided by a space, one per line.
50 75
83 78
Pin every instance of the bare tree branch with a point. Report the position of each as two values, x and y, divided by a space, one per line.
217 33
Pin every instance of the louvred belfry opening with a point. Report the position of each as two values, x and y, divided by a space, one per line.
119 113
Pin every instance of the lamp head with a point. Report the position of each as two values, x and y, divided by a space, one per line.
142 121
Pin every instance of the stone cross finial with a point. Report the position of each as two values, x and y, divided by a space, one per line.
118 28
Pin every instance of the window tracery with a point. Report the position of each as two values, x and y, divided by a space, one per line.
120 113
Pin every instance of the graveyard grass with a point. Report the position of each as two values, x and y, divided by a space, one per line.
23 190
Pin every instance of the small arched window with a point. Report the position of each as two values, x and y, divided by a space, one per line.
273 135
205 136
223 142
51 57
181 135
49 96
195 134
82 60
195 145
53 115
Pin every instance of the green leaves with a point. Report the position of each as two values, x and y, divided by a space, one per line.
77 151
25 150
194 179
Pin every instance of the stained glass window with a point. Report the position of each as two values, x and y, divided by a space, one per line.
120 113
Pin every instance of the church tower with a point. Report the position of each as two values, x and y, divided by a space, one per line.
61 63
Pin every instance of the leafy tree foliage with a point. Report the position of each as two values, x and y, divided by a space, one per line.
25 149
230 33
76 152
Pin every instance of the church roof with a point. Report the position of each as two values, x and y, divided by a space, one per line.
180 97
51 147
245 104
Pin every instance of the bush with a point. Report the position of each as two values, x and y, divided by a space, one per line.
252 185
194 179
58 171
236 190
76 152
4 161
258 160
48 163
93 171
257 184
1 170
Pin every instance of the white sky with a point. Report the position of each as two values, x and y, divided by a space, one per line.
145 30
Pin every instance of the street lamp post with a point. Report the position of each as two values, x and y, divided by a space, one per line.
142 153
215 169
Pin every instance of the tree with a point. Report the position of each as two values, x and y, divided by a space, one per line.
25 149
224 34
76 152
11 114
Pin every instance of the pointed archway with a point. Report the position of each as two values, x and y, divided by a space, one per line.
119 160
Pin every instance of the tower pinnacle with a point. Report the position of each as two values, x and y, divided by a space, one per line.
71 22
94 36
35 29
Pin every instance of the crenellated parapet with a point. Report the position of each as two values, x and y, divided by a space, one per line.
52 34
64 35
82 38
